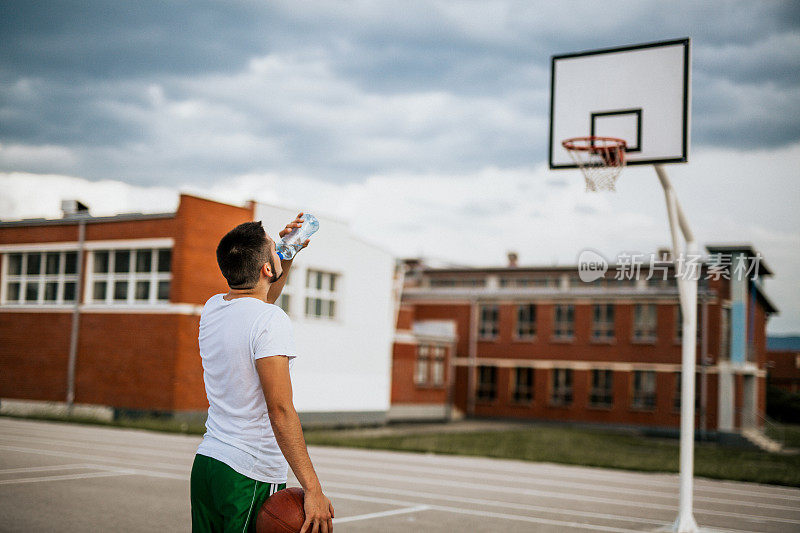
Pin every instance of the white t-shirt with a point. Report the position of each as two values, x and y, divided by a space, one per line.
233 334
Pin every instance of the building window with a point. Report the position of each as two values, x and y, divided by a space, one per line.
457 282
602 393
561 390
644 322
541 283
437 370
421 368
603 322
526 321
487 384
321 294
564 321
129 276
49 277
429 368
676 397
523 385
644 389
284 302
489 322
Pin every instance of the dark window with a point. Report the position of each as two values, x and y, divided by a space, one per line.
144 258
523 385
52 263
120 290
603 321
487 383
526 320
101 262
15 264
644 389
34 264
561 390
602 393
142 290
644 322
122 261
563 324
489 324
163 290
164 259
71 263
69 291
50 291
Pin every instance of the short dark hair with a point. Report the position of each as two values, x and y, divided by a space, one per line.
241 254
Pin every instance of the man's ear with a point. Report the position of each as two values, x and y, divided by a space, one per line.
266 271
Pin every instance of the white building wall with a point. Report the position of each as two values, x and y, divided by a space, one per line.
344 363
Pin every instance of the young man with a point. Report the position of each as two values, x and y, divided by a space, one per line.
253 433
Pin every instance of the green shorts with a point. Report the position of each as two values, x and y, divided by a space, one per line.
223 499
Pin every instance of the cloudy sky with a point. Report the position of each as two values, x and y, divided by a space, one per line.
423 123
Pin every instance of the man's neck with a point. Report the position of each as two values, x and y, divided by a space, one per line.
259 292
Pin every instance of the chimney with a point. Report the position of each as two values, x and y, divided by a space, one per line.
512 259
73 208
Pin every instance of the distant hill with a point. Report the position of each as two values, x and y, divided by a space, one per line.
784 343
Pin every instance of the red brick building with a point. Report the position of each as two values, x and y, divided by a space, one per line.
539 343
144 279
784 369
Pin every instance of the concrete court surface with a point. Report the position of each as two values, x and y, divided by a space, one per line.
67 477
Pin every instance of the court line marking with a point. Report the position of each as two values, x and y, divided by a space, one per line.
100 447
671 495
75 466
545 494
498 503
487 514
385 477
64 477
370 516
634 478
509 465
580 486
558 472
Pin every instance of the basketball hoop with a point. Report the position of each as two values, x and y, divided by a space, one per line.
600 159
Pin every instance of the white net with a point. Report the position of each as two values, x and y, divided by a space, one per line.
600 159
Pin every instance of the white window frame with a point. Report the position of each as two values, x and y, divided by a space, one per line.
484 387
559 321
562 393
645 325
154 277
326 295
596 391
488 327
517 391
526 329
603 325
645 392
41 279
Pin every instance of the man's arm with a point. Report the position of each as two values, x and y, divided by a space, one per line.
276 288
274 375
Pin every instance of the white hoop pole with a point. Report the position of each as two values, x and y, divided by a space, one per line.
687 288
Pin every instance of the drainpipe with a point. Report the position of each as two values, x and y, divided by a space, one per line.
76 317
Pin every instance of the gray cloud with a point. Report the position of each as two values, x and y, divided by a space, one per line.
154 92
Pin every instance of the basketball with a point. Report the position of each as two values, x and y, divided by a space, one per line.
283 512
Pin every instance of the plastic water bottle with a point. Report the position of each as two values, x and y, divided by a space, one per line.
293 241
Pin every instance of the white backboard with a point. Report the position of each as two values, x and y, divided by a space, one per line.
637 93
